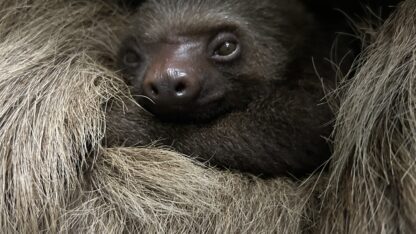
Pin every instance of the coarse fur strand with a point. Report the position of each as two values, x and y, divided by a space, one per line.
56 176
372 186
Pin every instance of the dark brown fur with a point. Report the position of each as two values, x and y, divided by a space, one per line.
50 183
277 121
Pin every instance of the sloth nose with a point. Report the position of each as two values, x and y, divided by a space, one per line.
173 90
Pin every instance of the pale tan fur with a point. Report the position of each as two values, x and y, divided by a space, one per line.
56 76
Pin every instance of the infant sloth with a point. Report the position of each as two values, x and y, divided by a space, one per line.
229 82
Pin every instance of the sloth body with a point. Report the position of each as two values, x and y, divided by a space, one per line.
228 82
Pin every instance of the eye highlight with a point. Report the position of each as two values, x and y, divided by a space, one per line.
225 47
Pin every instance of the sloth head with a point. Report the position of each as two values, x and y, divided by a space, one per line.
204 63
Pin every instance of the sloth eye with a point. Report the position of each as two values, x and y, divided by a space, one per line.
131 58
226 48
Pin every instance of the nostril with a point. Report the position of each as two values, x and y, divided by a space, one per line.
180 88
154 89
165 90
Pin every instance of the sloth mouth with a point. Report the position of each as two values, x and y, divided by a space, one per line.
207 107
200 113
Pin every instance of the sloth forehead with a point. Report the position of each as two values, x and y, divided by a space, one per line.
163 27
181 17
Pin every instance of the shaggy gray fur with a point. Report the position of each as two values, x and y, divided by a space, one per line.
56 177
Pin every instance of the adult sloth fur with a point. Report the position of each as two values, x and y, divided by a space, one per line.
56 176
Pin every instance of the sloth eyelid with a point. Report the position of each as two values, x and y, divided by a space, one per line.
218 43
131 58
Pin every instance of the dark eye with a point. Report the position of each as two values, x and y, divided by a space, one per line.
225 47
131 59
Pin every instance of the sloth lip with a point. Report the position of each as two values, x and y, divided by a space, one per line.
211 98
199 113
